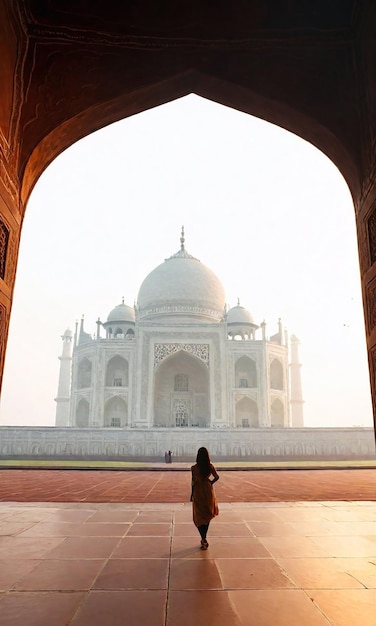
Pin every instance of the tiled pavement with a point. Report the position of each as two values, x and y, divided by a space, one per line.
273 563
164 485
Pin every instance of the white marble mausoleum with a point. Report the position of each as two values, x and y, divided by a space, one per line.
179 359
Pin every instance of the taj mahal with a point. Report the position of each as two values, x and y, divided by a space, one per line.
179 359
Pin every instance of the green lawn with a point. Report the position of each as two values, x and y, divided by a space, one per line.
82 464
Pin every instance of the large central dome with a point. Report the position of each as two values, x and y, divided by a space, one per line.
182 288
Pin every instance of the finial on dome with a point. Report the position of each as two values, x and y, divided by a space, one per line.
182 253
238 301
122 300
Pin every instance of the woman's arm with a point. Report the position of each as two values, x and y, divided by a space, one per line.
192 485
215 474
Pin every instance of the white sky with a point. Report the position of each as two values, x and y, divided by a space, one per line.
265 210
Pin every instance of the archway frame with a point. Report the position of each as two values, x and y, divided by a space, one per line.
255 62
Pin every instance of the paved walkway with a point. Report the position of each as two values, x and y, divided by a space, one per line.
174 486
269 563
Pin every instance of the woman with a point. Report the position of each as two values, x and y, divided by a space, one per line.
204 503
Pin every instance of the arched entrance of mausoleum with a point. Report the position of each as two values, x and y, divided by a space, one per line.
182 392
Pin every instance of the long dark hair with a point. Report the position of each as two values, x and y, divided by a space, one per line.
203 462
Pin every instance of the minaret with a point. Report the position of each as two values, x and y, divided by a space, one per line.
296 398
63 391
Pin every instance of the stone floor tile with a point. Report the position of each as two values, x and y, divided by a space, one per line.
295 514
75 516
28 547
154 517
354 528
12 570
315 528
13 527
61 575
203 574
356 546
252 574
349 607
38 608
40 514
125 574
199 608
228 516
362 569
184 515
219 548
112 517
237 529
67 529
151 530
84 548
278 607
123 608
257 514
186 529
320 573
271 529
294 547
143 547
355 514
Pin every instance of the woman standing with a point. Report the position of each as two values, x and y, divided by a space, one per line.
204 502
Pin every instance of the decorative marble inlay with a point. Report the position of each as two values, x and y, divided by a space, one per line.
371 228
163 350
4 238
181 309
371 305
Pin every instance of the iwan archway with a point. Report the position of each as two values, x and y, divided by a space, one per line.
308 71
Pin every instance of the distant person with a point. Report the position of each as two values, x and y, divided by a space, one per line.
204 502
166 457
169 456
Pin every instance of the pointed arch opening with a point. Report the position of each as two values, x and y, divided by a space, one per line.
84 373
117 372
246 413
82 413
245 373
115 413
181 392
277 414
276 375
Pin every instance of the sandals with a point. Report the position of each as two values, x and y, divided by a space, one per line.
204 544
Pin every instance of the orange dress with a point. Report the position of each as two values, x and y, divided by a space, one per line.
204 502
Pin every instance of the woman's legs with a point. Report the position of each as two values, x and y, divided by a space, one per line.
203 530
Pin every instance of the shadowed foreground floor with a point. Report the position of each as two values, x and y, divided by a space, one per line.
130 563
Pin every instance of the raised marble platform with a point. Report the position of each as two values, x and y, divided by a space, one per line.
39 442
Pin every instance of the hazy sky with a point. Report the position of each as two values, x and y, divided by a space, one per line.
265 210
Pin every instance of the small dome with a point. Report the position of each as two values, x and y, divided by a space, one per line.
68 333
240 316
121 313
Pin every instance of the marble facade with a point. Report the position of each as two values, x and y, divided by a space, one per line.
119 443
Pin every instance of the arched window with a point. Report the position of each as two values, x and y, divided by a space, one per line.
117 372
246 413
115 413
84 374
245 373
181 382
277 414
82 414
276 375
